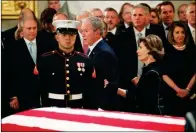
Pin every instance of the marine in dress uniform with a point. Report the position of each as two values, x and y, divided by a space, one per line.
65 74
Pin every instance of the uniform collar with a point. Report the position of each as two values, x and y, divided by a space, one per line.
64 54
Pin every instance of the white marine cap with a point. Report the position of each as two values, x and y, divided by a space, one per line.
66 24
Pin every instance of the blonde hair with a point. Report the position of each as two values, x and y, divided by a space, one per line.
154 44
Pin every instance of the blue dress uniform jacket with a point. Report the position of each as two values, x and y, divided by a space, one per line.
66 79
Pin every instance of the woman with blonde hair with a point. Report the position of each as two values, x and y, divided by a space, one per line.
150 52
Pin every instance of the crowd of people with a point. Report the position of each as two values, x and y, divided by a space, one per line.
138 60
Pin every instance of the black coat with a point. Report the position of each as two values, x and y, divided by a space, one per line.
125 49
147 90
48 40
106 65
190 37
8 37
180 67
24 82
78 44
59 72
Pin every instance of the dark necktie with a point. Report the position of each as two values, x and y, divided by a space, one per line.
88 51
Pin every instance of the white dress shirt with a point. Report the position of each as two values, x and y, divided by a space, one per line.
94 44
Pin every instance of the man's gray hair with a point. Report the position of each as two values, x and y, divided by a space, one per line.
189 6
81 13
146 10
96 23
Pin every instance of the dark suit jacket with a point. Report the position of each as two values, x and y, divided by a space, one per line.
125 49
190 37
24 81
110 37
105 63
78 44
8 37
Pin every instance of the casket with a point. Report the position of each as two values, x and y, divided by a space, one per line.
66 119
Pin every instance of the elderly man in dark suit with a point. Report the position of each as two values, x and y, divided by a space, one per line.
24 78
105 62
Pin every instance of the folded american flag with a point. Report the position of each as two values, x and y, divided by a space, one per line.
66 119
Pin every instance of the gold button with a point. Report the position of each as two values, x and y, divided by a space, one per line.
67 65
67 59
67 71
68 85
67 78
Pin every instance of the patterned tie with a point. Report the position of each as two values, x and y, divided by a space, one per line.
140 64
139 36
33 51
193 35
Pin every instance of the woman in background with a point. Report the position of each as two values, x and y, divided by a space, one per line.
150 52
155 19
47 33
178 71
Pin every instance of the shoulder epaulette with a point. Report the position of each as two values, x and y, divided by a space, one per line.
48 53
81 54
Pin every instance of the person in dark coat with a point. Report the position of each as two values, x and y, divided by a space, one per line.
65 74
179 72
105 62
126 45
147 89
24 78
47 33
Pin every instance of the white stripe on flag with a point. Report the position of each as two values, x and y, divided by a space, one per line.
61 125
145 118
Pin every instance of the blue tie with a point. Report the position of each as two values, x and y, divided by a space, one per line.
33 51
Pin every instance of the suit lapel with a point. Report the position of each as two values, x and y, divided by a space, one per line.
95 50
147 31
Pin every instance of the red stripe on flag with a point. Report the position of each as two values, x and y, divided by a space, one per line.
18 128
105 121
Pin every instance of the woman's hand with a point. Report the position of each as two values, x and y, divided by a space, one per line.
182 93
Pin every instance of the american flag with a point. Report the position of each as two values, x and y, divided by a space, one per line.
66 119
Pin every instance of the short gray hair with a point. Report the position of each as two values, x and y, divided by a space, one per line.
82 13
188 7
96 23
146 10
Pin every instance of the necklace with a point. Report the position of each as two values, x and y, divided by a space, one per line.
179 47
